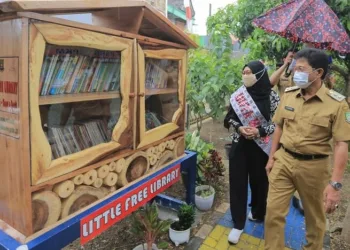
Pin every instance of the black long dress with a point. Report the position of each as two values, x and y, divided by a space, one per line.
248 160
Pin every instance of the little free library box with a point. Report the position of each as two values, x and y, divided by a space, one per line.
92 103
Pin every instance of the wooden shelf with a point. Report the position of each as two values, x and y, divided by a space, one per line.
65 98
161 91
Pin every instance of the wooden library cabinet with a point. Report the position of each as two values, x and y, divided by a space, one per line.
92 99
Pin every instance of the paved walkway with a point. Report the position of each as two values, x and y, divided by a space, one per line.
253 236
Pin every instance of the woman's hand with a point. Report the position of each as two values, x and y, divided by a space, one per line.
245 131
254 132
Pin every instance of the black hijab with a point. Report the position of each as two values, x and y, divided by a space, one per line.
260 91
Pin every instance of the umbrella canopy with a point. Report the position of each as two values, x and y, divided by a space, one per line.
308 21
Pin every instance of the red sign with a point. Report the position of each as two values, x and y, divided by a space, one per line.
103 218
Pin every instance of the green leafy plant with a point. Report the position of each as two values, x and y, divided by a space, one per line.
186 214
147 226
209 163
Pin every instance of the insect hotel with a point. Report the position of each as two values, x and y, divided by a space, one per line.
92 101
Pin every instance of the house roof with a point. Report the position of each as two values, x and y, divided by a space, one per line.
137 17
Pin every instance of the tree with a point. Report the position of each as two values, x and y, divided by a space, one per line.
211 80
237 19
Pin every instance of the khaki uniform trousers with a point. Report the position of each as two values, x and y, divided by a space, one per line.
309 178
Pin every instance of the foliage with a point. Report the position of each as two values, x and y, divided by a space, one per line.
211 80
194 143
209 164
237 19
147 225
186 214
212 168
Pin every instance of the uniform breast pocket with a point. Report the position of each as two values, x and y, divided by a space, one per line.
288 117
319 126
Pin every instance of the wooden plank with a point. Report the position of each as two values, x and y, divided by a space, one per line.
161 91
40 147
170 54
6 228
14 155
119 19
181 88
125 83
55 99
157 134
64 5
121 154
141 91
68 36
68 23
42 167
136 77
166 26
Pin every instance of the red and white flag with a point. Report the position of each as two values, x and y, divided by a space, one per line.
188 14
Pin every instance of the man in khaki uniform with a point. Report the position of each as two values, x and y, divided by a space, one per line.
278 78
308 117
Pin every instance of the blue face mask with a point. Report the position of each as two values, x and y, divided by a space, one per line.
301 79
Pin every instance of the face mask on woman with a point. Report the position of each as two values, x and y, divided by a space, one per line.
250 80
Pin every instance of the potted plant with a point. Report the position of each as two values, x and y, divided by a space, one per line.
212 168
147 226
179 231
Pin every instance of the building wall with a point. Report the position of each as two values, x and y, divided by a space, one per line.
161 5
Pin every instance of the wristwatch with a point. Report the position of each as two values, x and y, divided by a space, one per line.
336 185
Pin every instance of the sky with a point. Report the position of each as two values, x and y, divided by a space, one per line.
201 8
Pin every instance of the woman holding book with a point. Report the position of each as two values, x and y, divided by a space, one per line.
250 115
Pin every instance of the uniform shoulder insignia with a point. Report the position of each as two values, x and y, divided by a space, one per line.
335 95
291 88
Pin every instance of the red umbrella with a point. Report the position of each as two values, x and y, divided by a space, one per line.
308 21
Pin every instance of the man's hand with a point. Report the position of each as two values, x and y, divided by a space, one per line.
269 165
289 58
331 198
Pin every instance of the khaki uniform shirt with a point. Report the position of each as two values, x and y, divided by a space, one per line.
309 125
283 83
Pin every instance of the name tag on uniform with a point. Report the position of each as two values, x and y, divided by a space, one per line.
289 108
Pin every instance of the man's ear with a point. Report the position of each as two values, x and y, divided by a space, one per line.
320 72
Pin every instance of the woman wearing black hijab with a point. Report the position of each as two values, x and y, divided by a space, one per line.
250 114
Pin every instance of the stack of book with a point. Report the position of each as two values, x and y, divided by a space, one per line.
156 75
78 73
71 139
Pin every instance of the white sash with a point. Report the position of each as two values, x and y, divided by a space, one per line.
250 115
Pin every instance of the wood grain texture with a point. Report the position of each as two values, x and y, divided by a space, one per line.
140 39
68 36
40 147
14 154
125 82
141 93
148 137
157 134
119 19
181 89
43 168
55 99
64 5
170 54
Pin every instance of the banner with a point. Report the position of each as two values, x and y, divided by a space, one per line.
106 216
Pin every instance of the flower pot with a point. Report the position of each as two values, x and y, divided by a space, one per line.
144 247
179 237
204 203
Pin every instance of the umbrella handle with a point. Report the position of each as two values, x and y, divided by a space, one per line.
287 72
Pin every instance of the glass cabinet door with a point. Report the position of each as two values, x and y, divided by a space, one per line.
161 91
79 84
